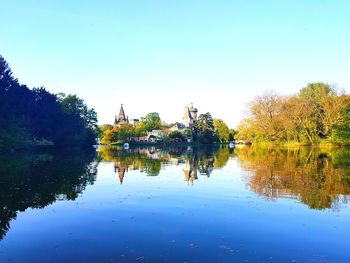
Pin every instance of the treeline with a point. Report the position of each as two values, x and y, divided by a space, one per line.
317 114
205 130
37 117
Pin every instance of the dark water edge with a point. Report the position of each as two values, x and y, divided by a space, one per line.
176 204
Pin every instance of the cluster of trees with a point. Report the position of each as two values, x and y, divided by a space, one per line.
125 132
34 116
318 113
208 130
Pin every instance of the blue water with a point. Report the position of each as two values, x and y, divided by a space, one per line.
164 218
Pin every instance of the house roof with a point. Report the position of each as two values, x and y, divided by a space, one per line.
178 126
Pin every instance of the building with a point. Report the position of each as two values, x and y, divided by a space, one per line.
122 119
190 116
177 127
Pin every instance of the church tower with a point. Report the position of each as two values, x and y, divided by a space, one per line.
190 116
121 119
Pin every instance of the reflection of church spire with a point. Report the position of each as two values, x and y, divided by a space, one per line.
190 174
121 171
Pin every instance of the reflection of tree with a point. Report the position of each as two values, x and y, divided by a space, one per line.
37 180
150 159
315 177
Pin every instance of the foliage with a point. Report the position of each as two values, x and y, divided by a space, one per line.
31 115
341 132
126 132
176 135
306 118
232 134
79 123
187 133
151 121
203 130
140 129
222 131
103 128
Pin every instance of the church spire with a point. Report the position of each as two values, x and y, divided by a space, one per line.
121 118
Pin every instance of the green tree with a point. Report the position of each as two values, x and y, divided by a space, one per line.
79 124
33 116
126 132
140 129
341 132
203 130
151 121
176 135
102 128
232 134
221 129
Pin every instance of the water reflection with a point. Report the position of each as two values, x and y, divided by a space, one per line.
37 180
193 161
318 178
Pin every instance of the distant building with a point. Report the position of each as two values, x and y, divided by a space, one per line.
122 119
177 127
190 116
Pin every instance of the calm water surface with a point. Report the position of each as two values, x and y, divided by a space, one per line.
176 205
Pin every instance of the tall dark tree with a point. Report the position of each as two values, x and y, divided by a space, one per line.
32 116
204 131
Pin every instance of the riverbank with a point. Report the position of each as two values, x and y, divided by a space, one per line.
299 144
166 144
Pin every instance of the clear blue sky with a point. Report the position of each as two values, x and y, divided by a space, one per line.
162 55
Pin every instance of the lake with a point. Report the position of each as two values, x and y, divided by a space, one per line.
180 204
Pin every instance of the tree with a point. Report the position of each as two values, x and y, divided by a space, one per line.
102 128
151 121
78 124
308 117
176 135
341 132
33 116
221 129
126 132
187 133
140 129
232 134
265 112
203 130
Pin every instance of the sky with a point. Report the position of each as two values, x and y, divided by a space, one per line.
159 56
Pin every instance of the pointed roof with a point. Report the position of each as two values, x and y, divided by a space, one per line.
121 115
121 173
187 115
